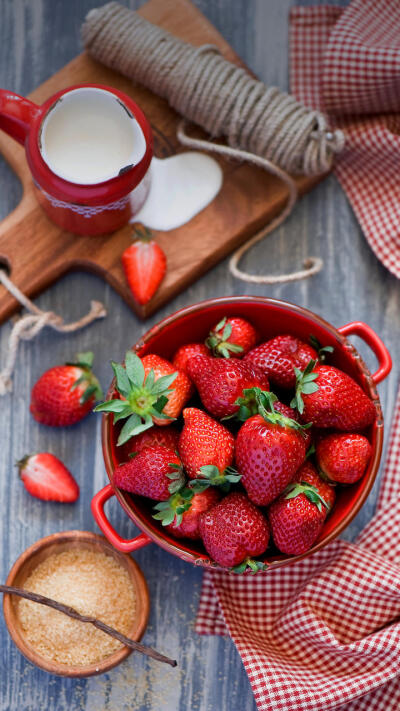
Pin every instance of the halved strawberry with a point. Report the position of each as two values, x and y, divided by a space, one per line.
65 394
47 478
146 396
232 336
144 264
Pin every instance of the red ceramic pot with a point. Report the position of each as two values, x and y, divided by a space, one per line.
270 317
70 198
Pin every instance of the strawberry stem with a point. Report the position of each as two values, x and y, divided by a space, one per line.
211 476
249 565
311 492
217 340
304 384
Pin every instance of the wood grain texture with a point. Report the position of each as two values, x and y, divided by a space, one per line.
249 198
37 38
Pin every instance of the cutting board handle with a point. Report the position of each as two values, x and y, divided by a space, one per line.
16 114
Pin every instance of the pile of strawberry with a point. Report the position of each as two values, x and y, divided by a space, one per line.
270 431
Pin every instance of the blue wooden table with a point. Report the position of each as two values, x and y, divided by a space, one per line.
37 37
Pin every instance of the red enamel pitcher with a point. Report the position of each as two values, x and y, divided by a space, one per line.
86 187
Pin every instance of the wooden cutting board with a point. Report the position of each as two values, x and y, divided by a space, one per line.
38 253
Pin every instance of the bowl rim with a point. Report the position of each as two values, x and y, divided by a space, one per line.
201 559
138 581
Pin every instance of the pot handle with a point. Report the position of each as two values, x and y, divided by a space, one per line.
16 114
359 328
121 544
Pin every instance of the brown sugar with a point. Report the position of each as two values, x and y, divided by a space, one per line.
93 583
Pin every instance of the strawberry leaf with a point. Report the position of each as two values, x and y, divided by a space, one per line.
311 450
310 492
304 384
249 564
134 369
211 476
173 509
122 380
163 383
321 350
111 406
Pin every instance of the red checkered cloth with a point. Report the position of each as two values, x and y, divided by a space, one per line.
346 62
322 633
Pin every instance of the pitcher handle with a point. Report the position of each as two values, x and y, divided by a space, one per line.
16 115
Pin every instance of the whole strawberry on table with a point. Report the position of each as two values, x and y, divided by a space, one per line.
241 443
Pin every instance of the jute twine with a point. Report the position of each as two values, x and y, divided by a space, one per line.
261 124
28 326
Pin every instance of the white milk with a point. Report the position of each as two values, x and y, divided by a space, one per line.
180 187
89 136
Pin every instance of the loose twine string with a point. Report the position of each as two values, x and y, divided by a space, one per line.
28 326
262 125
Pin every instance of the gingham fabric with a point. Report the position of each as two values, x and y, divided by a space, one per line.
322 633
346 62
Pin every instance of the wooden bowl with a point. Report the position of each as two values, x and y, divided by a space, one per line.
57 543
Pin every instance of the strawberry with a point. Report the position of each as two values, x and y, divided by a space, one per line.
328 397
144 264
278 357
232 336
184 353
204 441
220 382
343 457
181 513
145 394
297 516
65 394
155 472
163 436
233 531
269 449
46 478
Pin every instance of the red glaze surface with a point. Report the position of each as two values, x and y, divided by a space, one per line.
22 120
270 317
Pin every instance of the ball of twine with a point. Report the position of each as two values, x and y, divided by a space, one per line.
261 124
